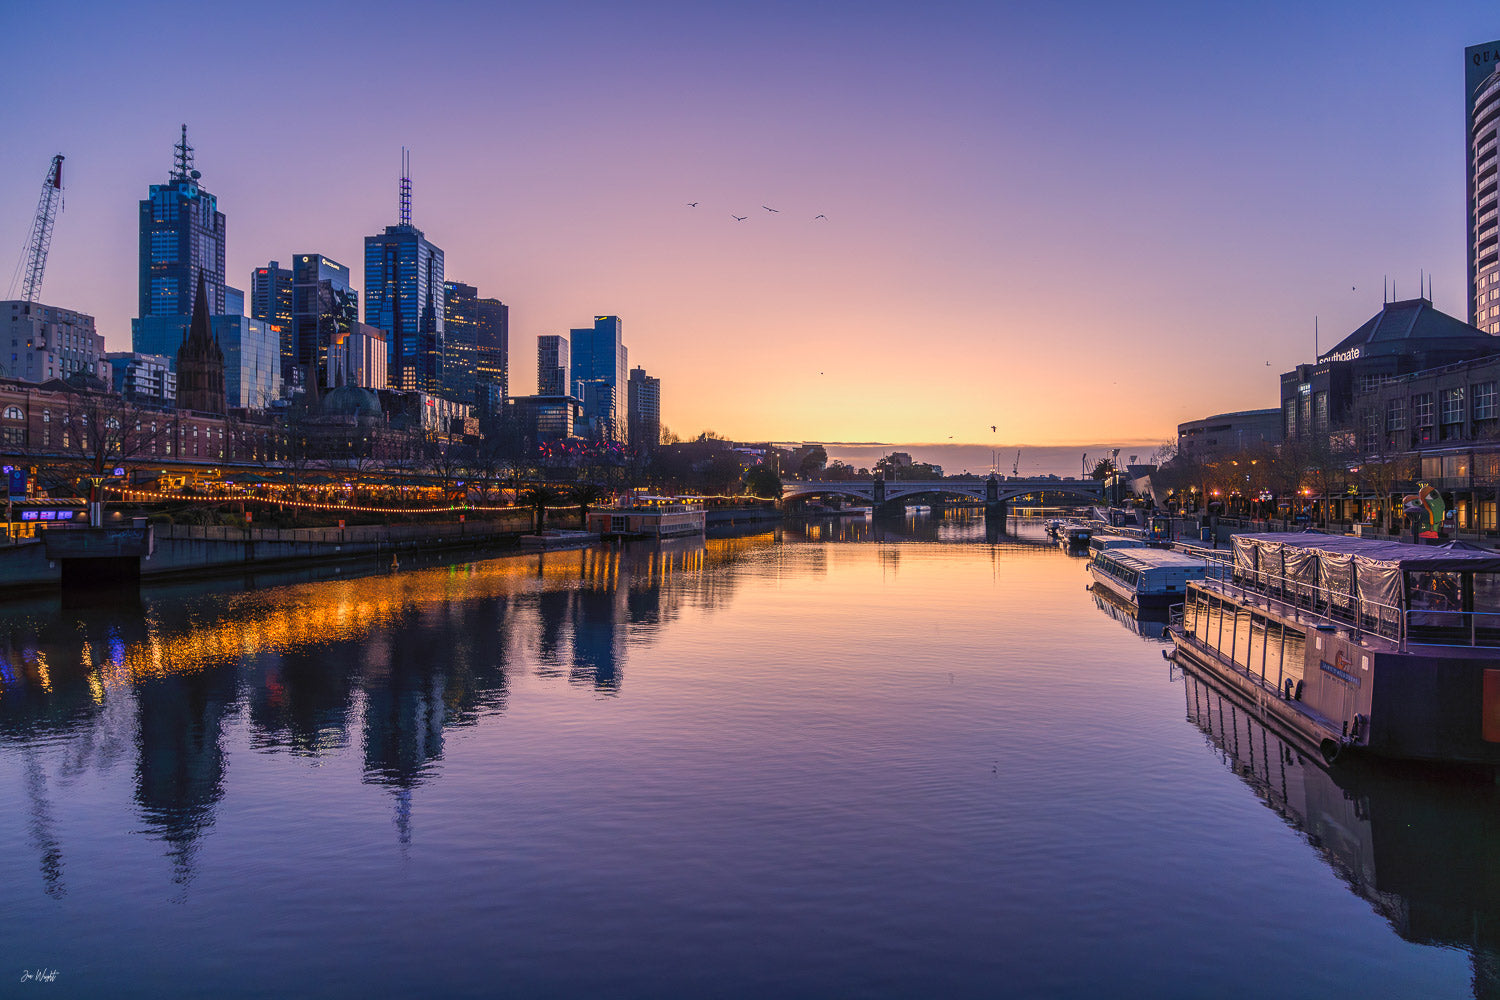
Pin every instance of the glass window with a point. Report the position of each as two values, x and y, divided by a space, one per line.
1455 466
1485 401
1320 403
1395 414
1453 406
1421 410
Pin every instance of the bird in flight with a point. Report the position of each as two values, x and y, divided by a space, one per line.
738 218
817 217
768 208
992 427
692 204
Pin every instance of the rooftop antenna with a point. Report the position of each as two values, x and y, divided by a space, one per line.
1315 339
405 186
1421 282
184 158
1385 295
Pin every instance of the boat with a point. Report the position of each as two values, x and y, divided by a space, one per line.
1071 534
643 516
1354 646
1102 543
1148 579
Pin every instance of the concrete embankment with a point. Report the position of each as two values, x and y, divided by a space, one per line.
187 550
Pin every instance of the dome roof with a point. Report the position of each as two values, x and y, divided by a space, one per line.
351 400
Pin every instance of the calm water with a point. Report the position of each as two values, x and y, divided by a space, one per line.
836 762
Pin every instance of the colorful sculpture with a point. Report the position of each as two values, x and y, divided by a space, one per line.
1426 509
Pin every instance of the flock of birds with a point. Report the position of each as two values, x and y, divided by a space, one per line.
768 208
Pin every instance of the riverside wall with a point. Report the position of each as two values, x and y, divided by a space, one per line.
187 550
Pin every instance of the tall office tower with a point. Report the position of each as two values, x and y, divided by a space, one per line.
599 359
1482 94
492 360
182 240
552 365
645 410
252 354
460 340
324 309
271 294
404 297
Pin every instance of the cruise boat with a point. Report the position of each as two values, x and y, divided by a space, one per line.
1149 579
641 516
1071 534
1354 645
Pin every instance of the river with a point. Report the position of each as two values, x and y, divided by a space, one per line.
838 760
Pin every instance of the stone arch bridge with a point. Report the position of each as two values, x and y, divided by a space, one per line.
995 493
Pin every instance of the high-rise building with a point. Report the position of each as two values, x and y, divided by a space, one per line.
182 240
552 365
645 410
360 360
271 294
324 309
404 297
252 360
460 340
47 342
492 347
599 357
1482 95
146 379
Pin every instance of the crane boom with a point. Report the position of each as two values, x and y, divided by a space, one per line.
41 230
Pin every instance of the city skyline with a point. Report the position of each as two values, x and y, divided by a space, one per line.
998 187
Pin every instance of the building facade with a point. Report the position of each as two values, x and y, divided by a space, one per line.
645 410
252 360
1225 433
48 342
359 359
271 294
324 308
599 357
143 379
1482 157
460 340
492 349
200 362
182 242
1404 337
552 365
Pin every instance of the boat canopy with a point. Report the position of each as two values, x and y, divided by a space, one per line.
1349 569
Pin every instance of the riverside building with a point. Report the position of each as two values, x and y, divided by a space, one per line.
404 297
47 342
1482 157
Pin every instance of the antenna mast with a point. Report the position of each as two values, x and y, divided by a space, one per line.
405 186
41 230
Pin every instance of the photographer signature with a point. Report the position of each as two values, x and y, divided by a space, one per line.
39 976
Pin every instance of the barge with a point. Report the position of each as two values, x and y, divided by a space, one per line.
1352 645
1147 579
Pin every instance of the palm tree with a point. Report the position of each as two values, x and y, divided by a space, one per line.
539 498
586 495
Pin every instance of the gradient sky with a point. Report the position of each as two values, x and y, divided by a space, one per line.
1075 222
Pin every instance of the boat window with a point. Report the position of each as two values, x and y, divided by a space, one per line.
1435 599
1241 654
1487 597
1293 645
1257 664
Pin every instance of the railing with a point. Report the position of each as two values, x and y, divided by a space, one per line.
1312 604
355 534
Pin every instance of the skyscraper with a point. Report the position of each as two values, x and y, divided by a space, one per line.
182 240
460 340
404 297
552 365
1482 97
600 362
271 294
325 308
645 410
492 361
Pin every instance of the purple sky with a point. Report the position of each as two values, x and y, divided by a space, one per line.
1075 223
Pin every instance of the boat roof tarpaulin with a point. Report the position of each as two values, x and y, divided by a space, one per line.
1378 565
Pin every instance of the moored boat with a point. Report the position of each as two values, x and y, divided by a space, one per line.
1149 579
1357 645
641 516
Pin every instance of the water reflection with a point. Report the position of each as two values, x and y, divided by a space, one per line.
1418 847
391 662
1150 625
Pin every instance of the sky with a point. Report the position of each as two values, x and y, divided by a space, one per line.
1046 224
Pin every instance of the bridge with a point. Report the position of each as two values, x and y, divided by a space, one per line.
995 493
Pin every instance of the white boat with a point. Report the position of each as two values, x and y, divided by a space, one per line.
1147 578
642 516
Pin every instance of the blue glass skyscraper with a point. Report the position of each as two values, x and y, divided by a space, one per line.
404 297
182 237
600 365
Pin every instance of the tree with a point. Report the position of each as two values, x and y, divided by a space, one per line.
762 481
813 461
585 495
1102 469
539 498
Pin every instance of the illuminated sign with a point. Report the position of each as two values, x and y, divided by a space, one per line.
47 515
1352 354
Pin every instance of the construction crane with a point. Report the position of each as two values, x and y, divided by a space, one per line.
1015 469
41 231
